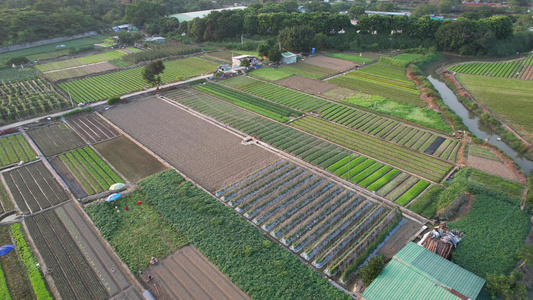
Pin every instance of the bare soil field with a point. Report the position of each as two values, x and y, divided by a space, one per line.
55 138
400 238
187 274
209 155
527 74
67 176
492 167
129 159
34 188
340 93
98 67
330 63
105 265
92 128
73 275
307 85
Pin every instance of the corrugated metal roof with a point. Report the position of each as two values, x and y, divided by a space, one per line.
417 273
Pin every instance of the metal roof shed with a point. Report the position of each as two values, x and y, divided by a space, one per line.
288 58
417 273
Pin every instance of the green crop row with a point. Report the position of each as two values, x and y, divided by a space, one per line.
415 162
260 106
30 263
88 182
118 83
386 71
4 292
401 60
509 69
412 192
350 57
80 61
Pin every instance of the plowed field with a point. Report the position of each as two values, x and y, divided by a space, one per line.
187 274
55 139
92 128
330 63
207 154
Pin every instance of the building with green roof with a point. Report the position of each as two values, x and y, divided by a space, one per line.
417 273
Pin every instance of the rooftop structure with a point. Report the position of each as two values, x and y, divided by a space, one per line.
417 273
189 16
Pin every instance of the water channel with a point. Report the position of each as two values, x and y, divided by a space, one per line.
470 119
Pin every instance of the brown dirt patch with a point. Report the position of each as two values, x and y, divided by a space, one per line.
492 167
99 67
129 159
341 93
307 85
400 238
207 154
330 63
187 274
67 176
92 128
527 74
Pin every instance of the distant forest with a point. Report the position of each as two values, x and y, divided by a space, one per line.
480 32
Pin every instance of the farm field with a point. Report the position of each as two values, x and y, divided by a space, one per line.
420 164
328 225
118 83
34 188
373 82
401 60
14 149
369 173
495 183
257 105
350 57
108 268
276 93
79 71
522 69
92 128
300 68
5 201
130 160
328 62
47 51
188 274
485 160
13 74
508 99
55 138
84 60
208 155
90 170
22 99
392 131
17 282
73 275
233 245
307 85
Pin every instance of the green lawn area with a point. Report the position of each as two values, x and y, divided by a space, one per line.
510 100
350 57
270 74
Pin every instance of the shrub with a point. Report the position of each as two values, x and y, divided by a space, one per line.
372 269
18 60
113 100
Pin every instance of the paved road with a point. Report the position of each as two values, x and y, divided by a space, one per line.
36 119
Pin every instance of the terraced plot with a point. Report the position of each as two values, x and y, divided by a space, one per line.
328 225
14 149
73 275
90 170
34 188
55 139
92 128
420 164
316 151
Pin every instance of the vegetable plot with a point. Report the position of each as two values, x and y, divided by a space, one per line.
90 170
14 149
318 152
23 99
127 81
418 163
328 225
511 69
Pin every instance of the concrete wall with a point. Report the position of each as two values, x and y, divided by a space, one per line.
45 42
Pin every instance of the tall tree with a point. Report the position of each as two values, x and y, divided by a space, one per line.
298 38
152 72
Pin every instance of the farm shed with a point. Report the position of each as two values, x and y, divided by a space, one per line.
417 273
288 58
236 61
